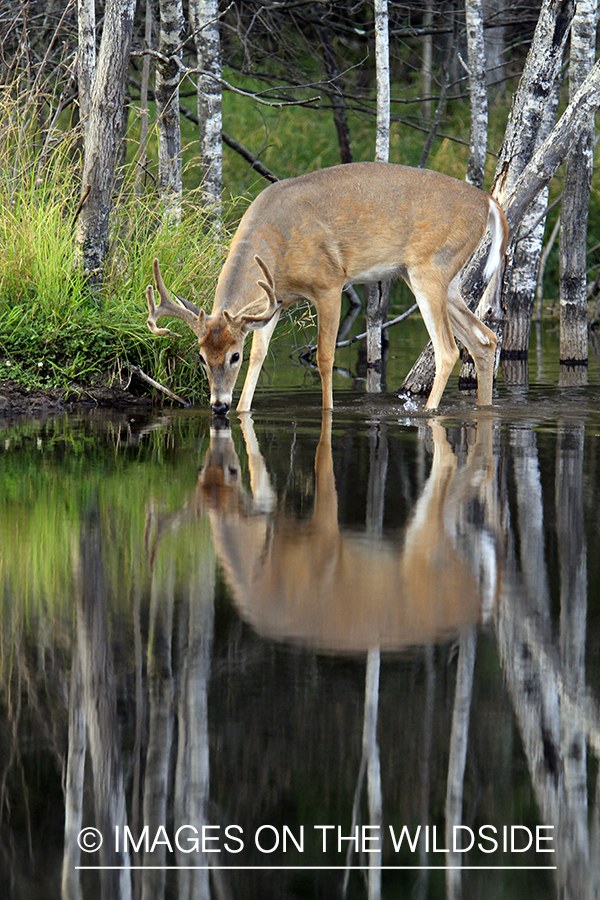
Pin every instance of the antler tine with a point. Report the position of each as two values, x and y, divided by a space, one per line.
252 314
178 308
265 270
154 313
268 285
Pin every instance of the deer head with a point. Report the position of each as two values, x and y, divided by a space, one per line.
221 335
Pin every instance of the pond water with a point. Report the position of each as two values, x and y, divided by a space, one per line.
305 656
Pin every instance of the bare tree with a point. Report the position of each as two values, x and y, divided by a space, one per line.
378 294
427 61
524 132
477 93
103 131
204 21
86 56
167 109
575 205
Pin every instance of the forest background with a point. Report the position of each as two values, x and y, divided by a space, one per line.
298 87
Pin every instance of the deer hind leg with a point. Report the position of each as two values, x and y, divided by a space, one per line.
431 297
260 344
479 340
328 309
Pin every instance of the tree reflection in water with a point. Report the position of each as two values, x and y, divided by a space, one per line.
305 698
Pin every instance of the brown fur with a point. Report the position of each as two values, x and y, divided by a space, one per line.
307 237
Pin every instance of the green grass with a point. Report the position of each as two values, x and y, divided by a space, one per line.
54 331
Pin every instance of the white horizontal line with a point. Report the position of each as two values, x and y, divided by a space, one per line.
326 868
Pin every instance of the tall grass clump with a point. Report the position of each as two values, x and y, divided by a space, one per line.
55 332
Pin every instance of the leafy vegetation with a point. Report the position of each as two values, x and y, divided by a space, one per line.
54 331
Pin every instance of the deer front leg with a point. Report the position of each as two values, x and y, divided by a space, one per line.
260 344
328 309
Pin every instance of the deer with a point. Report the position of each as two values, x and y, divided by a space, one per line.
307 238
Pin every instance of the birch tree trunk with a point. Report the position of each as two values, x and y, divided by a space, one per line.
536 85
459 743
86 56
378 294
103 135
532 117
570 493
192 770
521 291
574 209
74 783
478 102
477 93
204 20
167 110
522 134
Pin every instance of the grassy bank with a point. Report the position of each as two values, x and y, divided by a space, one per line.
54 331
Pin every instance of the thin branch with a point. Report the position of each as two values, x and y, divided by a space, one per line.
360 337
155 384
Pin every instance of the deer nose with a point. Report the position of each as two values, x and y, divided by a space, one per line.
220 409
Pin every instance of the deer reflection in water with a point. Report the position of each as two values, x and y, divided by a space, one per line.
314 582
335 589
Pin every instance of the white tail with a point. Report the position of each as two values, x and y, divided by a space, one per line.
306 238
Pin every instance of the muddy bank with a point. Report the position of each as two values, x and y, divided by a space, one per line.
15 400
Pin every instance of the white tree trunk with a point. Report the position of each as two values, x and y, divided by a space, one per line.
477 93
378 294
382 59
520 140
574 208
103 135
86 56
99 694
203 17
521 291
167 110
161 690
535 88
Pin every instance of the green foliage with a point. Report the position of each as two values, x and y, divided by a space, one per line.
54 331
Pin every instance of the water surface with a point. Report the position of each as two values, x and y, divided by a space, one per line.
305 655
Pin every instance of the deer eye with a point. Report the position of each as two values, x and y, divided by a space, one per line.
234 358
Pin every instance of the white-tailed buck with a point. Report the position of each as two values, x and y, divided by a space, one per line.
306 238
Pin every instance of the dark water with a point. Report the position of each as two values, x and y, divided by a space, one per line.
305 656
